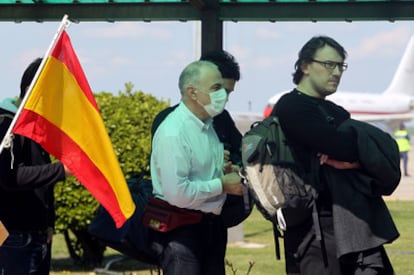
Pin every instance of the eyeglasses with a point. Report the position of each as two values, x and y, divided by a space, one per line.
331 65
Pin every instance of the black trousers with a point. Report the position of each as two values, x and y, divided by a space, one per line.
316 257
197 249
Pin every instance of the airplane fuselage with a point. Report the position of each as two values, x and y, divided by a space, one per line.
372 104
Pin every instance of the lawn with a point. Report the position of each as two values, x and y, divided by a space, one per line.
259 255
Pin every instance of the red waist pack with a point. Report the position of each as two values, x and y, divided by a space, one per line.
161 216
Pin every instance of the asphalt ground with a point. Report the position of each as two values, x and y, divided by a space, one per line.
405 190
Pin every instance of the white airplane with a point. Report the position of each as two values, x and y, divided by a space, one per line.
386 110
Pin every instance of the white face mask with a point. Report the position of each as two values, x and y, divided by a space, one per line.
218 100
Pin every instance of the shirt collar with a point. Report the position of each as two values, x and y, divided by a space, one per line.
202 125
8 104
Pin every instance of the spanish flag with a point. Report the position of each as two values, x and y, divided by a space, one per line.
61 115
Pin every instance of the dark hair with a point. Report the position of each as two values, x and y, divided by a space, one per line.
28 76
308 51
226 63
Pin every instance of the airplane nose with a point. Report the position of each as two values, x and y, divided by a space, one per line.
268 110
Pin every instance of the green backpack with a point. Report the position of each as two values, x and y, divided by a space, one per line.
275 180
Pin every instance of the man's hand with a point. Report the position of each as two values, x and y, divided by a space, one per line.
228 167
68 173
226 155
232 184
324 159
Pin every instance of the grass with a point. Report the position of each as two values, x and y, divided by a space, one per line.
261 259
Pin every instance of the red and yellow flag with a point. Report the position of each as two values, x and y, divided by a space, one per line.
61 115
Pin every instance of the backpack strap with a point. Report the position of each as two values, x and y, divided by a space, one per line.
6 115
8 143
276 236
315 216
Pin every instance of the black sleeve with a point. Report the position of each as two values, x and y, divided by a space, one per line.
229 135
304 123
18 175
160 118
29 177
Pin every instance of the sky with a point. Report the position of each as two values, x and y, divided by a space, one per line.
152 55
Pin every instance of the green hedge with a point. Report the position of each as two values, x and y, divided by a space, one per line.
127 117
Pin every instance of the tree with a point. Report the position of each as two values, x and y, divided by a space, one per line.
127 117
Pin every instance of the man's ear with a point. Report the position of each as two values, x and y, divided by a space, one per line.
192 92
304 68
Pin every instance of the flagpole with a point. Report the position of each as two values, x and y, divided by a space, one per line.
7 137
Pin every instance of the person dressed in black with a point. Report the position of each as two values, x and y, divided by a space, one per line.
355 222
234 210
27 209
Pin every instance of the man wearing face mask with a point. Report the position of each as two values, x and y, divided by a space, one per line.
234 210
188 172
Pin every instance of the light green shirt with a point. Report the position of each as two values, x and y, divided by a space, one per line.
186 162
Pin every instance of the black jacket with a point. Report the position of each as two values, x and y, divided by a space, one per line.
361 219
360 216
26 184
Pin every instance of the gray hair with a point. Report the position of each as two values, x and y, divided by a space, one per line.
191 74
